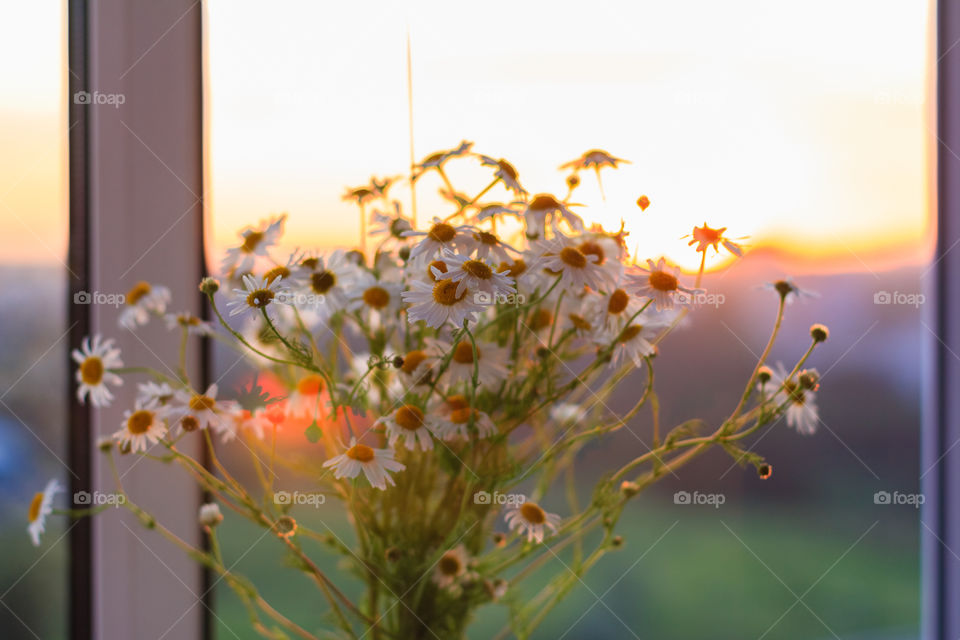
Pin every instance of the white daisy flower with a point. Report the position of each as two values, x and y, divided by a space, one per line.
140 428
254 422
659 283
204 410
608 251
96 359
474 274
562 256
506 172
154 394
438 303
374 463
491 363
418 364
40 507
257 295
489 247
595 158
142 300
543 208
634 342
389 226
304 400
451 566
440 236
455 415
186 320
329 280
256 241
799 392
374 299
609 312
530 517
409 422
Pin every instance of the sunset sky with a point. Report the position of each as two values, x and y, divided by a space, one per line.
806 130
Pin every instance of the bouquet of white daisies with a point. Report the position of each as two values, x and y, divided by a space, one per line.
439 388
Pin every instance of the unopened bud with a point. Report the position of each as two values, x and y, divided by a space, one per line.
209 286
210 515
819 333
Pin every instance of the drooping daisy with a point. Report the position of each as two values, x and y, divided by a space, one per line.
451 566
374 463
530 517
40 507
140 428
304 400
596 159
328 280
563 256
658 282
438 303
493 210
441 235
417 364
389 226
506 173
799 393
256 241
437 160
707 237
543 208
186 320
258 295
491 363
455 415
409 422
153 393
474 274
96 358
789 291
490 247
633 342
141 300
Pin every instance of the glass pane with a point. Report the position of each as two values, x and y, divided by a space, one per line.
804 134
33 249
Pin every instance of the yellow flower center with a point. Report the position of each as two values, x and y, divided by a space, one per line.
260 298
544 202
91 371
322 281
439 265
486 238
310 385
137 292
573 257
310 263
457 402
794 391
461 416
579 322
478 269
360 453
463 353
189 423
507 169
202 403
514 270
251 240
412 360
592 248
532 513
542 319
618 302
445 293
34 512
663 281
442 232
449 564
276 272
139 421
376 297
409 417
631 332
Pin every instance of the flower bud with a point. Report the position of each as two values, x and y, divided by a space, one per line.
285 526
210 515
643 202
764 471
629 489
209 286
499 539
573 180
616 542
397 362
819 333
105 444
809 379
764 374
392 554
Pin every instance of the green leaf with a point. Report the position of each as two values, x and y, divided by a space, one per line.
313 432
